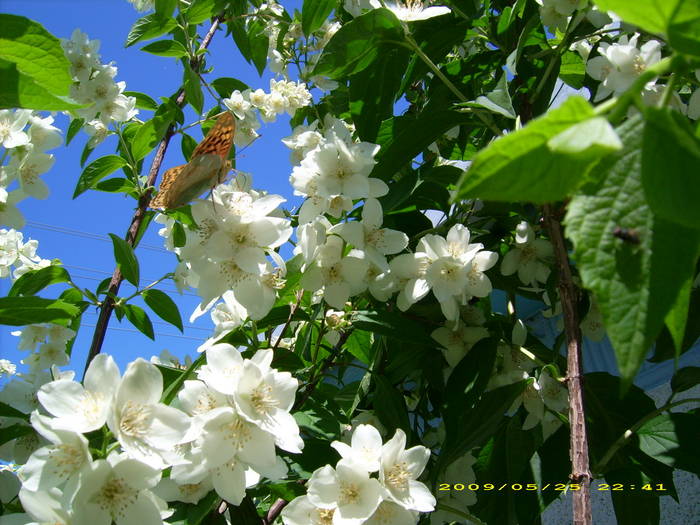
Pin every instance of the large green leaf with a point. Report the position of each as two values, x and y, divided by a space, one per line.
358 43
633 506
314 14
684 27
650 15
149 27
671 152
18 90
36 280
373 90
521 166
36 52
193 89
670 438
139 318
163 306
19 311
126 259
390 406
96 171
166 48
635 284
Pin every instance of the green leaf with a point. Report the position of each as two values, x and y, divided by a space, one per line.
403 138
144 141
633 507
163 306
497 100
75 125
390 406
665 438
139 318
479 424
165 8
590 139
37 54
224 86
173 387
670 148
314 14
520 167
117 185
684 27
97 170
685 378
193 89
126 259
359 344
258 42
165 48
19 311
18 90
8 411
677 316
143 101
372 92
149 27
358 43
318 420
650 15
572 70
635 284
199 11
36 280
392 324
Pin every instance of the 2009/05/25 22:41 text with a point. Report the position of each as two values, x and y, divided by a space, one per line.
458 487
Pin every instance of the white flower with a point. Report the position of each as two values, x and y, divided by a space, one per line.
44 506
339 277
459 471
9 214
301 511
530 258
265 396
55 464
12 125
414 10
409 271
117 490
457 339
223 368
7 368
146 429
399 471
593 326
365 448
368 236
347 489
42 134
621 63
142 5
389 513
83 408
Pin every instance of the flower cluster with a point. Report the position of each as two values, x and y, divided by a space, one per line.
94 85
350 493
221 436
531 258
226 252
28 160
18 257
284 97
46 344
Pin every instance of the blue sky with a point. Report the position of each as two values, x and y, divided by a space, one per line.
75 231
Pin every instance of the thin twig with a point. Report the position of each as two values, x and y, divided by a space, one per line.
108 304
578 452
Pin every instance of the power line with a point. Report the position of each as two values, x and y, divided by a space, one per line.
186 326
91 278
154 333
88 235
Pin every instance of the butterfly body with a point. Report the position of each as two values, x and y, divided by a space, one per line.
207 168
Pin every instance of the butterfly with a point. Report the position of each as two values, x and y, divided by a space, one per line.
207 167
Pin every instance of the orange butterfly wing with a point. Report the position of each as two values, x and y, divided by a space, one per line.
205 169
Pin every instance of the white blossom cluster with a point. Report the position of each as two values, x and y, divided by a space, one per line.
405 10
351 492
531 258
94 85
18 257
143 5
226 255
28 160
220 436
46 344
284 97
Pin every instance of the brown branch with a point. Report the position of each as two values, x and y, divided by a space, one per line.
107 306
580 472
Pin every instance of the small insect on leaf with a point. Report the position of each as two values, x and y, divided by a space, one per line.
207 167
629 235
